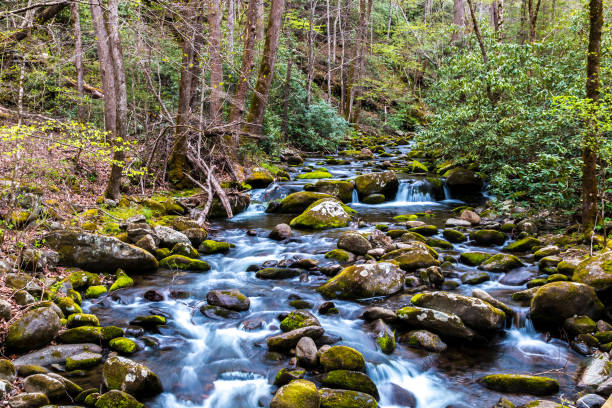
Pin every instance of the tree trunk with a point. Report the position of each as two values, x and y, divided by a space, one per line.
266 71
428 8
286 93
389 18
458 19
216 63
329 61
533 18
230 28
589 150
78 59
248 57
357 67
311 57
261 21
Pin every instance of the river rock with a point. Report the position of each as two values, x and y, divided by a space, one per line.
229 298
470 216
482 295
323 214
365 280
462 181
5 310
298 319
595 271
487 237
474 258
280 232
306 352
457 222
288 340
278 273
424 339
385 337
341 189
441 323
55 354
349 380
28 400
523 245
342 358
596 371
377 312
239 201
377 183
99 253
298 393
116 398
286 375
590 401
413 255
501 263
7 370
41 383
169 237
259 178
474 312
354 242
522 384
120 373
83 360
555 302
296 203
331 398
34 329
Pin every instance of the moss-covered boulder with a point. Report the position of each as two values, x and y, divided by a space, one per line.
83 360
526 244
148 321
425 230
81 334
286 375
424 339
7 370
555 302
501 263
366 280
117 399
298 319
41 383
350 380
331 398
80 279
340 255
595 271
520 384
82 319
185 250
385 337
454 236
341 189
374 199
439 243
298 393
68 306
277 273
231 299
354 242
122 281
487 237
474 312
462 181
474 258
412 256
441 323
183 263
342 358
99 253
317 174
385 183
28 400
120 373
239 202
259 178
296 203
323 214
36 328
214 247
579 325
93 292
287 341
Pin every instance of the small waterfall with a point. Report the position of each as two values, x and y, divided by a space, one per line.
447 193
414 191
355 199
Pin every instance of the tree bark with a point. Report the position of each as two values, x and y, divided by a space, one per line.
260 21
78 59
458 20
329 61
589 150
428 8
533 18
311 57
230 28
286 94
216 63
356 68
259 101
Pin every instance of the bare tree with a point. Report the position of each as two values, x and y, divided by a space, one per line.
458 19
216 63
311 56
78 58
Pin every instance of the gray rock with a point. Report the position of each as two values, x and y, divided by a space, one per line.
34 329
147 243
169 237
5 310
354 242
597 371
23 298
441 323
280 232
230 299
28 400
605 388
54 389
377 312
55 354
424 339
288 340
366 280
7 370
590 401
306 352
120 373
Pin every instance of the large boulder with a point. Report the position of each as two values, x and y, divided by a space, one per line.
298 393
474 312
117 399
554 302
120 373
341 189
501 263
595 271
385 183
342 358
288 340
296 203
520 384
441 323
238 202
323 214
230 299
349 380
259 178
169 237
365 280
51 387
99 253
462 181
412 256
34 329
354 242
331 398
298 319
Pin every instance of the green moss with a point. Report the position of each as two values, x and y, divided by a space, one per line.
342 358
454 236
524 384
82 361
161 253
95 291
373 199
339 255
286 375
123 345
213 247
415 166
183 263
331 398
405 217
122 281
386 342
68 306
297 320
425 230
439 243
350 380
82 319
523 245
298 393
91 399
80 279
317 220
413 236
474 258
117 399
395 233
185 250
318 174
82 334
111 332
381 227
76 296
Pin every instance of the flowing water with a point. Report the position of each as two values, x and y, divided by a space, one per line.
224 363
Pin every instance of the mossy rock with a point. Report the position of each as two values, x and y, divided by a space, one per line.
342 358
454 236
385 183
82 319
161 253
548 264
405 217
331 398
373 199
68 306
185 250
81 334
123 345
120 373
521 384
395 233
298 393
412 236
474 258
323 214
556 277
439 243
536 282
350 380
122 281
425 230
415 166
183 263
441 323
501 263
579 325
339 255
149 321
83 361
80 279
318 174
298 319
278 273
475 278
526 244
95 291
341 189
488 237
117 399
260 178
425 340
36 328
286 375
214 247
555 302
296 203
364 281
595 271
